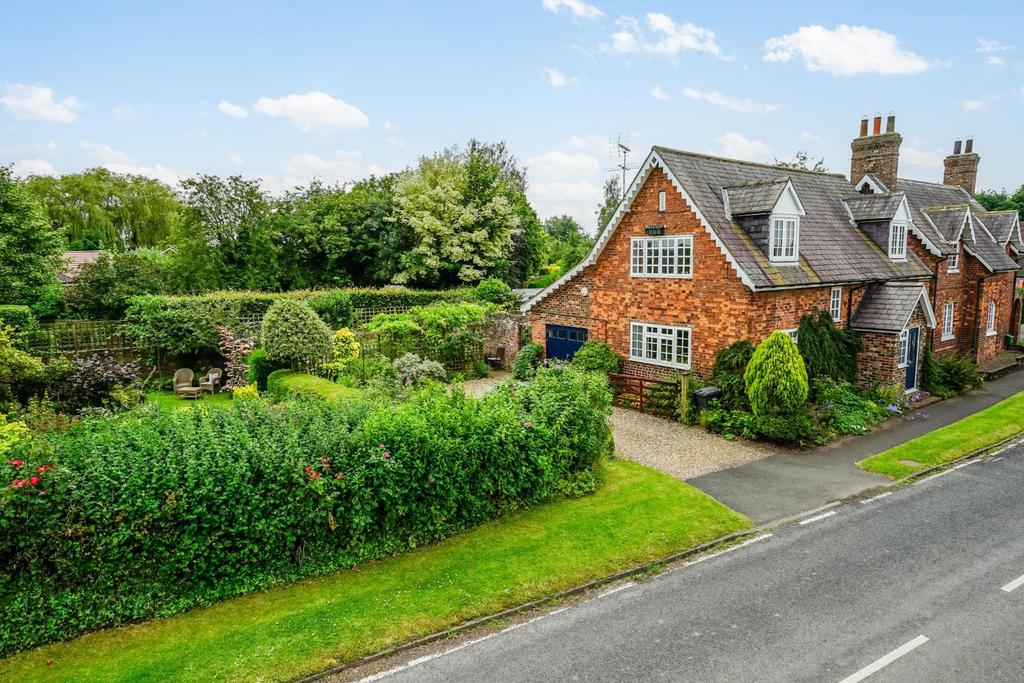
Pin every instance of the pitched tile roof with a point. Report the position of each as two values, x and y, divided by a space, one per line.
949 220
73 262
1002 225
757 196
832 248
887 306
874 207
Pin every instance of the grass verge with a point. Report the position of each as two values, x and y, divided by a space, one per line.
984 428
166 400
637 516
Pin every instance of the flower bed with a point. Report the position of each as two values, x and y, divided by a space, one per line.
150 513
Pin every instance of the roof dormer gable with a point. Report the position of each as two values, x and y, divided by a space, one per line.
769 211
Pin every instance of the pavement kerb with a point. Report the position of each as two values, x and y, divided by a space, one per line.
730 538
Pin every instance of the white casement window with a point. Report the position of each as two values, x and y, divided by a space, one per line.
991 319
835 303
660 344
897 240
794 334
784 240
947 321
953 262
904 350
661 256
661 201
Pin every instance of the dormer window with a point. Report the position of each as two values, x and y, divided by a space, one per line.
953 262
785 235
897 241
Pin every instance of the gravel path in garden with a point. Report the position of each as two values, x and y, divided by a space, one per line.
676 449
479 387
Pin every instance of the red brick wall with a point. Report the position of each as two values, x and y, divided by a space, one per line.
878 361
998 289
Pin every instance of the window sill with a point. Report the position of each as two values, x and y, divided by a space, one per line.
662 277
947 337
990 333
648 361
953 272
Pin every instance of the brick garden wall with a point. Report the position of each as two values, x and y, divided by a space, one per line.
504 331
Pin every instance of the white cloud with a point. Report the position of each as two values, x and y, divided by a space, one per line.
313 110
845 51
583 142
578 8
736 146
236 160
51 146
972 105
235 111
992 60
578 198
556 78
390 126
658 93
37 102
810 137
555 164
27 167
119 162
341 166
990 46
731 103
930 160
662 36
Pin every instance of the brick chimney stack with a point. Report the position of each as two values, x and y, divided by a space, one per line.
962 167
877 153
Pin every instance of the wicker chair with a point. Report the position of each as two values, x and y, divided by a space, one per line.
183 382
211 383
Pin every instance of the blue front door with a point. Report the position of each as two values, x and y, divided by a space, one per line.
563 342
913 337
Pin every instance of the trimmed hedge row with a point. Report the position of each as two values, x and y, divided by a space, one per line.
150 513
20 318
285 384
184 324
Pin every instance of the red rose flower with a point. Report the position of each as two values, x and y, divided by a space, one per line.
16 463
18 483
43 468
34 480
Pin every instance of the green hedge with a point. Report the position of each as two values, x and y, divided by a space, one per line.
150 513
184 324
260 368
20 318
285 384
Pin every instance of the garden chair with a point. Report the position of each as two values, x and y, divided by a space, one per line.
498 358
183 382
211 383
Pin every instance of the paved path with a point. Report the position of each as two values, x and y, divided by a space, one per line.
792 482
924 584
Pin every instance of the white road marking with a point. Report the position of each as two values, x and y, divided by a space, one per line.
964 464
817 517
705 558
880 495
934 476
885 661
616 589
1014 585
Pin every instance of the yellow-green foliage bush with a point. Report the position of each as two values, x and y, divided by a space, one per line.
776 377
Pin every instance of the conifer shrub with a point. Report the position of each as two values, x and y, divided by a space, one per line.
827 350
727 374
776 377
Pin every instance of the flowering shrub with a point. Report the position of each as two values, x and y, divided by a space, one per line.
246 392
235 350
344 349
150 513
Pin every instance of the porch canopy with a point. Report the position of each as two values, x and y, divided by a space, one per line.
887 307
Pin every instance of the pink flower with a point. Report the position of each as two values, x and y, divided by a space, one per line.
339 475
18 483
34 480
16 463
527 424
43 468
430 481
381 446
385 455
326 462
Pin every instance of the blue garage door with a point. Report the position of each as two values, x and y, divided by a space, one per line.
563 342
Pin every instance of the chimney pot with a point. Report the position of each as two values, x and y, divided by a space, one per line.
969 146
877 127
890 124
864 127
956 147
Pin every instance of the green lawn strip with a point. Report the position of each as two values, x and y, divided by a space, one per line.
984 428
166 400
637 516
285 383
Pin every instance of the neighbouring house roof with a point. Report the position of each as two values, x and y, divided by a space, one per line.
949 221
755 197
1004 226
874 207
73 262
525 293
887 307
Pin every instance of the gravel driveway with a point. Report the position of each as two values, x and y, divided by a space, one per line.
676 449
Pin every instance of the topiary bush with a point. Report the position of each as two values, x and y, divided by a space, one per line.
597 356
727 374
776 378
151 513
494 291
292 333
527 361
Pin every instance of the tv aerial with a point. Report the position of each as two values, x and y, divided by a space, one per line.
618 147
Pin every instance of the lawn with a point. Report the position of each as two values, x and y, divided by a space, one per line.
168 401
982 429
638 515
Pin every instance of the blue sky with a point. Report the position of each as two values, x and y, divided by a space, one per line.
286 92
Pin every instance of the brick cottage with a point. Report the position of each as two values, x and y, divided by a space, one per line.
705 251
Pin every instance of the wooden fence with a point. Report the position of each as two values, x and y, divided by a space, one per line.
80 336
651 396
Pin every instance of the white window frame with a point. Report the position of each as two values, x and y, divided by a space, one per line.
647 257
661 201
898 241
948 317
953 261
990 330
650 342
903 352
835 304
787 243
794 334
